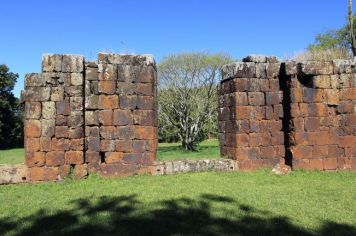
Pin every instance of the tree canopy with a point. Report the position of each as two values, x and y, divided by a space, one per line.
11 124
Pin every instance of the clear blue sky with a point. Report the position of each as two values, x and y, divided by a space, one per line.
279 27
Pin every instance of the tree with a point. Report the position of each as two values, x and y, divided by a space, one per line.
11 124
351 30
187 96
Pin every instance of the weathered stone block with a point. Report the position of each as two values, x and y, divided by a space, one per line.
107 71
107 87
33 128
61 132
122 117
73 63
74 157
76 103
36 94
57 94
106 117
34 80
49 110
256 98
55 158
47 127
52 62
108 102
321 81
113 157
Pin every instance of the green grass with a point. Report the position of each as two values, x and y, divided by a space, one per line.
208 149
255 203
12 156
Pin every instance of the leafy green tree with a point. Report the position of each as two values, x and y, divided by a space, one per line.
187 95
334 39
11 124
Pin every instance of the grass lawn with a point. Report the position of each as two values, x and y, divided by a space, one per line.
208 149
255 203
12 156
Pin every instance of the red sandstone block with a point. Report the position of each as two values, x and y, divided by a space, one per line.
74 157
33 128
316 164
108 101
320 151
45 144
60 144
122 117
113 157
76 144
240 153
301 164
317 109
269 113
146 118
280 151
35 159
61 131
243 112
108 132
76 132
265 139
347 141
126 132
268 152
145 103
93 144
303 109
264 85
256 98
302 152
319 138
312 95
277 137
240 85
254 139
106 117
107 145
63 171
32 144
240 99
107 72
63 107
80 171
123 146
92 157
351 120
241 140
254 126
330 164
294 110
312 124
55 158
43 173
61 120
348 94
145 89
128 102
117 169
296 95
300 138
272 98
345 107
298 124
144 132
335 151
273 85
264 126
139 146
107 86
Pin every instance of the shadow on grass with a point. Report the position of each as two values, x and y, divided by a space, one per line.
125 215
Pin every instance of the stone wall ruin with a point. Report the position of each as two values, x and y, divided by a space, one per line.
83 116
301 114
